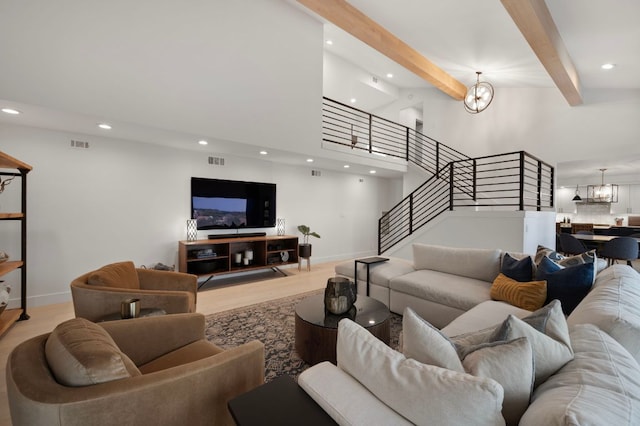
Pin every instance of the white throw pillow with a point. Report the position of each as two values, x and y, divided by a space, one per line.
509 363
550 350
424 343
424 394
551 321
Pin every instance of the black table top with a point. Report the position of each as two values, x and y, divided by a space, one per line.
280 402
370 260
368 312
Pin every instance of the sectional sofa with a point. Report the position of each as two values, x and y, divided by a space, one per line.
595 378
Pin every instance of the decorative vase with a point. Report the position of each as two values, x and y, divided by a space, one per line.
339 295
192 230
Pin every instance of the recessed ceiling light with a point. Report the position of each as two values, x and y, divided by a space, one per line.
353 100
329 42
10 111
346 166
608 66
309 160
373 172
104 126
389 75
263 152
203 142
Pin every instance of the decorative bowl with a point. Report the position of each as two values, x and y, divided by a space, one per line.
3 257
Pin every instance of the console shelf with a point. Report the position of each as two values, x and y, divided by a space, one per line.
230 255
11 168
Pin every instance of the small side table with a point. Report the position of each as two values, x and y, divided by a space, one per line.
316 330
367 261
280 402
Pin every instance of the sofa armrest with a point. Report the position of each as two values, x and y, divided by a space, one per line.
95 302
344 398
380 273
145 339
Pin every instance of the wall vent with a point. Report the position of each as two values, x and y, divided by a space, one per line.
216 161
79 144
375 79
361 180
316 173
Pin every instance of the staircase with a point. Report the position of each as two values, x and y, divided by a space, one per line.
511 181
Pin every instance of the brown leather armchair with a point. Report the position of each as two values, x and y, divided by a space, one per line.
173 376
100 293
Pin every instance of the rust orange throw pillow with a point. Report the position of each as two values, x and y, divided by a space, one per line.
529 295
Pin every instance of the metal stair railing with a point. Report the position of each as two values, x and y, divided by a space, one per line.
512 181
515 180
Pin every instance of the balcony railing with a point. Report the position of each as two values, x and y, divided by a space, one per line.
358 130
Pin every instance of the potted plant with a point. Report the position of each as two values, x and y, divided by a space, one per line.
304 249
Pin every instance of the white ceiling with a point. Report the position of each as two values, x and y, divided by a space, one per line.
465 36
460 36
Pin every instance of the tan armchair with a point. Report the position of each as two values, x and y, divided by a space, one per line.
178 378
99 293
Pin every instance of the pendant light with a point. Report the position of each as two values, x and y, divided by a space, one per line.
577 196
479 96
602 193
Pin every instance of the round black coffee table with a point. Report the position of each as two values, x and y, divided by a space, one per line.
316 331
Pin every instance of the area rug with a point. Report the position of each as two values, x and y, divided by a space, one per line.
273 323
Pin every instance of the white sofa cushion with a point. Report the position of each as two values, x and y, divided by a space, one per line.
443 288
600 386
423 394
613 304
345 399
480 264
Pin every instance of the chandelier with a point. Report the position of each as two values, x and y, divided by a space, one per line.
479 96
602 193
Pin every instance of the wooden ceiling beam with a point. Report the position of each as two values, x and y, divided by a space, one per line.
536 25
351 20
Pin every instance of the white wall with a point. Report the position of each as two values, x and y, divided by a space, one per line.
517 231
538 121
243 71
124 200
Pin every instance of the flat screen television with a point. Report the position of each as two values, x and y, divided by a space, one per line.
231 204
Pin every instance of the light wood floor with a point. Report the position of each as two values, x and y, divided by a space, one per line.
45 318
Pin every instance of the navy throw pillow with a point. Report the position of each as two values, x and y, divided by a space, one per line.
569 285
520 270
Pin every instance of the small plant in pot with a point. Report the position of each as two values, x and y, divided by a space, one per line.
304 249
